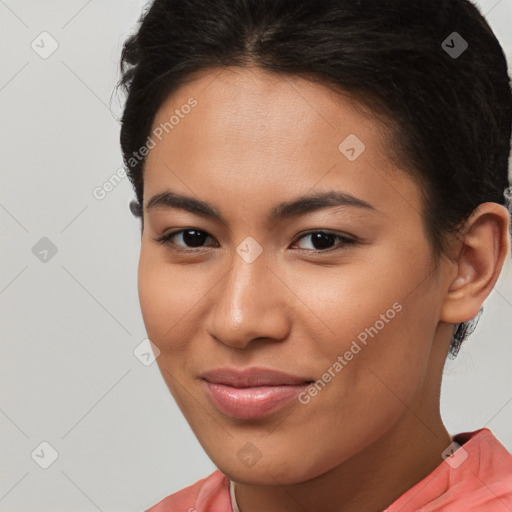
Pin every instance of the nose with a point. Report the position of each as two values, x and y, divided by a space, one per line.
249 303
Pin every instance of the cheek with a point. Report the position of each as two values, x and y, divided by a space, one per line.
167 294
381 319
362 296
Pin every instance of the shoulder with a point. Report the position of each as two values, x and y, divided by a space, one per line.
482 478
210 494
477 476
488 460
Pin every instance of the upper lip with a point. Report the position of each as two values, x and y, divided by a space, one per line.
249 377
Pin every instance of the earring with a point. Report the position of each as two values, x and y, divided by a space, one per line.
507 194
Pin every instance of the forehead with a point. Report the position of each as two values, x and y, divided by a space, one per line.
258 103
252 131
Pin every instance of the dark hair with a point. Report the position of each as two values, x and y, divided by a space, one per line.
447 108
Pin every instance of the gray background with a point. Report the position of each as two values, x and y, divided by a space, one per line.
70 324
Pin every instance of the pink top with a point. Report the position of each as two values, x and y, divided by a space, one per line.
476 477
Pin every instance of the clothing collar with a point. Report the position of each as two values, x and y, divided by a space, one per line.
234 504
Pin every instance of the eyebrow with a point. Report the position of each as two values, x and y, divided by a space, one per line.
299 206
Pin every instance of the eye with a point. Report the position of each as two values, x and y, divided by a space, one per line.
194 238
322 241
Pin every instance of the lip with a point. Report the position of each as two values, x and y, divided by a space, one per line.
252 392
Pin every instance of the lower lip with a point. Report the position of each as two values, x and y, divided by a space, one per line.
253 402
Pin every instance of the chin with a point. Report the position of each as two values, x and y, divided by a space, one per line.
269 470
263 475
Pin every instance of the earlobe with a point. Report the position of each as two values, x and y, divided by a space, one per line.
484 247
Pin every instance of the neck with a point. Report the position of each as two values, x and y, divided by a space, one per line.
368 482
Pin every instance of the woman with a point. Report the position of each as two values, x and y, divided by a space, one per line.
322 187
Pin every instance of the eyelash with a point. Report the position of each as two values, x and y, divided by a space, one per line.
165 240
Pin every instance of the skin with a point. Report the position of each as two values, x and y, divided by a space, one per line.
256 139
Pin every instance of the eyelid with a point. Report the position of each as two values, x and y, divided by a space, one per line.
346 240
165 240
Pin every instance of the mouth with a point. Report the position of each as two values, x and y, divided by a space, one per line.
253 392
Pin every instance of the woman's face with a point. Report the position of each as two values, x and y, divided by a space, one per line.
338 293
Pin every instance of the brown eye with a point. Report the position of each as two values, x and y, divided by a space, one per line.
325 241
191 238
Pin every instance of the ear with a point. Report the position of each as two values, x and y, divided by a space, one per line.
481 251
